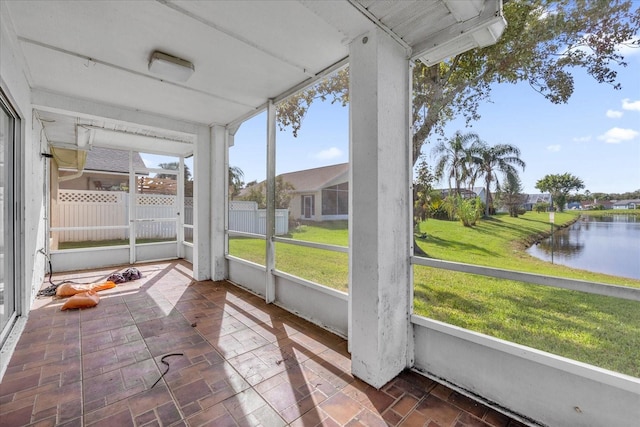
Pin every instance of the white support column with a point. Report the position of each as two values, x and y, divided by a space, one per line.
181 210
219 190
133 201
202 204
380 237
270 292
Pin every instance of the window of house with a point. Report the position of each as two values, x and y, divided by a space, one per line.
335 199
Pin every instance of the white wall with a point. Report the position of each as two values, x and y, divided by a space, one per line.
549 389
35 208
320 305
32 233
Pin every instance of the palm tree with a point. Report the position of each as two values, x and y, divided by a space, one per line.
235 181
503 158
173 166
453 158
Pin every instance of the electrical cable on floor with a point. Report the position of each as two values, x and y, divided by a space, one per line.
166 363
51 290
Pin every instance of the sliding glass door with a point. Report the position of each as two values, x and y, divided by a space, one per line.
8 286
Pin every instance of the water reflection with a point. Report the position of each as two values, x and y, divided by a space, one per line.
563 244
606 244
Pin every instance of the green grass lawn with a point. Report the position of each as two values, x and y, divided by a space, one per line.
500 241
100 243
325 267
598 330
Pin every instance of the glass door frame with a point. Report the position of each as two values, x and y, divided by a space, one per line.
134 221
12 221
307 206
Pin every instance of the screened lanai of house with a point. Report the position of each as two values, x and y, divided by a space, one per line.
179 78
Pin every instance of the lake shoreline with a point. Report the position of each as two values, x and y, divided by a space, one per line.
598 243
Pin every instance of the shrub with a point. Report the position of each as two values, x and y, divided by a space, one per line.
541 207
469 210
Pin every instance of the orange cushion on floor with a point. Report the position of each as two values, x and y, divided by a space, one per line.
69 289
82 300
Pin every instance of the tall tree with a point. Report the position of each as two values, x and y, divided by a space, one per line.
500 158
453 158
284 194
510 194
174 166
423 189
235 181
559 186
544 42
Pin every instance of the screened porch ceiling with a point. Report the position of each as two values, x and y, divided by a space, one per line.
244 52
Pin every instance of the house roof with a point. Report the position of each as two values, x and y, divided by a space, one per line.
596 203
464 192
317 178
109 160
312 180
626 202
537 198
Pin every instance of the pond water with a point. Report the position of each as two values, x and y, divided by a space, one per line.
603 244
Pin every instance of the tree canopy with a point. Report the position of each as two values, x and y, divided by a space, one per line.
510 195
544 42
257 193
454 158
491 160
236 175
173 166
559 186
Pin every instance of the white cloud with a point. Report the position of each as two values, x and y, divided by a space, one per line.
627 104
553 148
618 135
328 154
613 114
627 49
582 138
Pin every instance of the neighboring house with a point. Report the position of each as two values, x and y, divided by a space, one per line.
320 194
574 205
606 204
530 200
480 192
105 169
627 204
466 193
533 199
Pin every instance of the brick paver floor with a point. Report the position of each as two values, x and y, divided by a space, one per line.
232 361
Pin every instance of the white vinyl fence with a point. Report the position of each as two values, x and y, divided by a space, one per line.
245 216
82 208
160 207
78 208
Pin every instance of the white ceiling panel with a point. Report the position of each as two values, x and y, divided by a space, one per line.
244 52
84 79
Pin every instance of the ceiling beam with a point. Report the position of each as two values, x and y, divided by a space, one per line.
91 110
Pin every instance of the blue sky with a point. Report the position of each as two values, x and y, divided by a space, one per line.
595 136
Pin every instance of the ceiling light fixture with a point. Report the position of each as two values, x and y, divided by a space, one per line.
171 67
